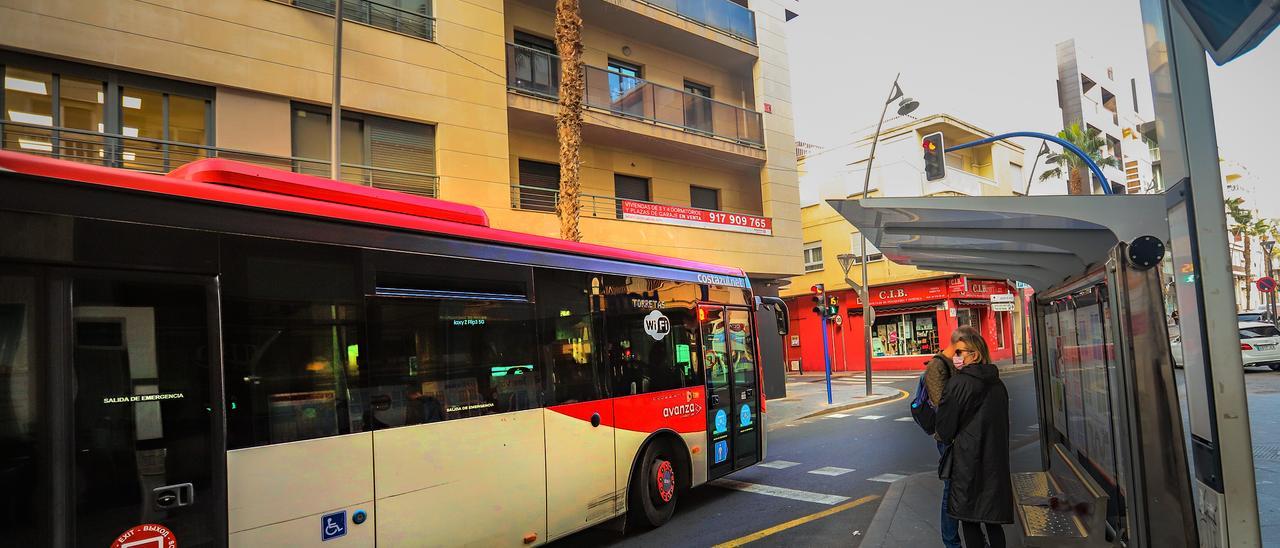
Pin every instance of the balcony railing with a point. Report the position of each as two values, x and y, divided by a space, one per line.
538 72
721 15
158 156
536 198
375 14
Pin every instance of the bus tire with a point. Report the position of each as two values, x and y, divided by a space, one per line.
654 488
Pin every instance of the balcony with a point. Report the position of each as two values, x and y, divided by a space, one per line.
536 198
376 14
537 73
720 15
158 156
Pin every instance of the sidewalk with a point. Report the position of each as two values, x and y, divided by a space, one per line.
909 513
807 397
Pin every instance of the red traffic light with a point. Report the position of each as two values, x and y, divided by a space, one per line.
817 288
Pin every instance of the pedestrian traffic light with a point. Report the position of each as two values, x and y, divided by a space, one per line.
818 293
833 308
935 163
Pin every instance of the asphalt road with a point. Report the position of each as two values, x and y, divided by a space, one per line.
851 455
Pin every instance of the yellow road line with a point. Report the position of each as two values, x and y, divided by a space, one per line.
795 523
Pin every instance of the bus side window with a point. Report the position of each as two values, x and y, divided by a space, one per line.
566 329
649 334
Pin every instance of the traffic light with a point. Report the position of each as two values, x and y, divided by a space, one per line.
833 306
818 293
935 162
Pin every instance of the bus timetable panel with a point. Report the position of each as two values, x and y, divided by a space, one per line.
423 385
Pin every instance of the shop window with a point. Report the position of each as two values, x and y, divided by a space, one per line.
905 334
1000 316
813 256
971 317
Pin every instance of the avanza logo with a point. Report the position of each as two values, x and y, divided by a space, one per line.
685 410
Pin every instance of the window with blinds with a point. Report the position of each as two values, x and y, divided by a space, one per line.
376 151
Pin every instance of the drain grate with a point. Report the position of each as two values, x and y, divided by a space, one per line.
1269 452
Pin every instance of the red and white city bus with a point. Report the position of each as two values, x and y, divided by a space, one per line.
232 354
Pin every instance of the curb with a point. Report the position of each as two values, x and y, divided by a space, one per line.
1016 368
887 398
879 526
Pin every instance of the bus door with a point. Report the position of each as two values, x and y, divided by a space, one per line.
728 354
134 382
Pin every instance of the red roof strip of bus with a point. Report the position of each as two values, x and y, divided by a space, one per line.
172 186
227 172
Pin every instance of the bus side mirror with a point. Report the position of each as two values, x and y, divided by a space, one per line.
780 314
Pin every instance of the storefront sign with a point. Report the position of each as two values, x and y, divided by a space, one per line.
699 218
915 292
795 340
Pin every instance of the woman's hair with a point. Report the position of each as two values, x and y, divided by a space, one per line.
973 339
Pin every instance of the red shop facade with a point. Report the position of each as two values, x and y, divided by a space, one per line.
913 321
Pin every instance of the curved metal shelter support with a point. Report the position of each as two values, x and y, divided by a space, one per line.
1111 427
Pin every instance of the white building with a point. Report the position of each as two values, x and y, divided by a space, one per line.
1091 94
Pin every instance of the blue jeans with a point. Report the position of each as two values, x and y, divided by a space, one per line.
950 525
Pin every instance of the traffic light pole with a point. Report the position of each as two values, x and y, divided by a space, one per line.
826 355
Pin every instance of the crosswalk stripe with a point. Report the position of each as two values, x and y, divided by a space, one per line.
871 417
904 419
831 471
781 492
838 416
886 478
778 464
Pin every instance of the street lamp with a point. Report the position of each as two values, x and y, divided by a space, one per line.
906 106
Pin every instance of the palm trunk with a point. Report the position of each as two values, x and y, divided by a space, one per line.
1248 272
569 115
1075 182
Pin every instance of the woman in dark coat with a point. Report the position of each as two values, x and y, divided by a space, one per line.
974 418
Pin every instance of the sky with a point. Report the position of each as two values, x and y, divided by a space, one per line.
992 63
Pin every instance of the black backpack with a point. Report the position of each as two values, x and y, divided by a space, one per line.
922 410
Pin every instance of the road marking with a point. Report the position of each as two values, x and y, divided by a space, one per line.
831 471
794 523
904 419
887 478
778 464
838 416
871 417
781 492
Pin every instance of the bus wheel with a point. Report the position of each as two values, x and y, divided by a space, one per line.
654 488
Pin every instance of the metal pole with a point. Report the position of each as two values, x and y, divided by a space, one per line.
1022 304
844 349
335 113
866 291
1044 149
826 356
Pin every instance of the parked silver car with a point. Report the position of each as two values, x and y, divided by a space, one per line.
1259 345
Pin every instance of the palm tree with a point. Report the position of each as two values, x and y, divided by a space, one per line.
1245 226
569 115
1092 143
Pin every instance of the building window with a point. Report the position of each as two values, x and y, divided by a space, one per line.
855 247
539 185
54 113
697 106
813 256
535 66
376 151
905 334
971 317
626 187
623 79
411 17
704 198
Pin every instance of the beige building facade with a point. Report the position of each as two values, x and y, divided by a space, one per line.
689 114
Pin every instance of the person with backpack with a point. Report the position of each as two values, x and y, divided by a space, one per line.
973 418
938 370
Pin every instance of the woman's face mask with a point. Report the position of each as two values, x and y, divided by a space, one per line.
958 360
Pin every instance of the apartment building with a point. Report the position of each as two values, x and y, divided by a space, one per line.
688 141
916 310
1091 94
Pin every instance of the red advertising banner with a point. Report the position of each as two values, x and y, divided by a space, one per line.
699 218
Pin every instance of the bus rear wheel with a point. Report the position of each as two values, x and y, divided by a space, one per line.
655 486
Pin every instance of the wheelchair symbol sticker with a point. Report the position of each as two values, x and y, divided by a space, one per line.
745 416
722 422
333 525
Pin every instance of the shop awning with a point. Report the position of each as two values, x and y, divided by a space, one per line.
898 308
1038 240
